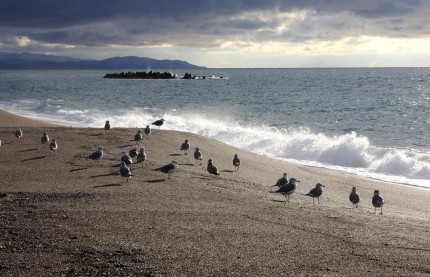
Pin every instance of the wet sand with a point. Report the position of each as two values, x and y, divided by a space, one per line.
63 214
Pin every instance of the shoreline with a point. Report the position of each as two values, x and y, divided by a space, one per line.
399 180
65 214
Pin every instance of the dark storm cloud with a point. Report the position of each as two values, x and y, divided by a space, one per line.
57 13
202 23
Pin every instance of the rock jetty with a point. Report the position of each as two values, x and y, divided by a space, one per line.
140 75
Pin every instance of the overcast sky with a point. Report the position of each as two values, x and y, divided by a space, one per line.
224 33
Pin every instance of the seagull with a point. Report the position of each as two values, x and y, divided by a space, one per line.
126 158
288 188
282 181
354 197
316 192
45 138
147 130
198 155
125 171
211 168
133 153
185 146
168 168
236 162
107 125
141 157
53 146
138 136
18 133
377 200
159 122
97 155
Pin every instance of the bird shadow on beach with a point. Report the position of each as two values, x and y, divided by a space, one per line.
78 169
175 155
279 201
155 181
34 158
124 146
227 170
104 175
28 150
189 164
96 135
107 185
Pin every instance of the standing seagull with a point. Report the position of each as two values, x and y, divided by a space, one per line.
236 162
147 130
159 122
211 168
288 189
125 171
97 155
18 133
141 157
107 125
354 197
185 146
133 153
138 136
283 181
198 155
126 158
316 192
168 168
53 146
45 138
377 200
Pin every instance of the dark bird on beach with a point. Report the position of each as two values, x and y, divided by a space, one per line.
141 157
316 192
198 155
97 155
147 130
159 122
45 138
354 197
282 181
185 146
133 153
125 171
53 146
126 158
138 136
377 200
18 133
236 162
288 188
211 168
107 125
169 168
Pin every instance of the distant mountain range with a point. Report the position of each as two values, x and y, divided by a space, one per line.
41 61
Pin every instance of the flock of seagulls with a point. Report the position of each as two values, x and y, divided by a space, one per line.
288 187
285 186
53 146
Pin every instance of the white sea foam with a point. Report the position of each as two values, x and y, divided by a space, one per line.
347 152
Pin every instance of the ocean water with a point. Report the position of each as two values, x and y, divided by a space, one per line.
373 122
